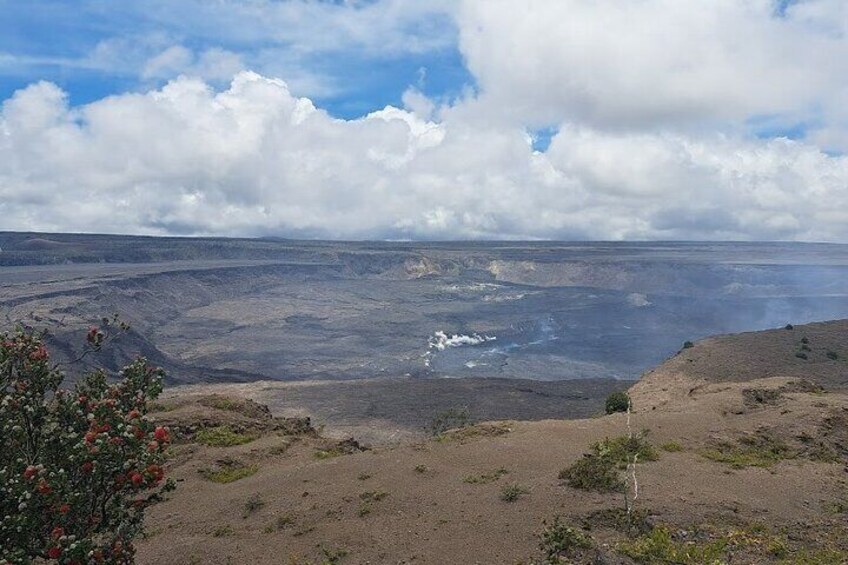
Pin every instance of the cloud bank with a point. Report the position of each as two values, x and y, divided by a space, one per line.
667 123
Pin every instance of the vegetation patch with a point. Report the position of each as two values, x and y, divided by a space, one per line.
511 493
599 470
671 447
485 478
228 470
709 546
757 450
421 469
223 436
593 472
561 542
617 402
252 505
369 499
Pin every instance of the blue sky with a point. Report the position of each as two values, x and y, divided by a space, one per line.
437 119
58 40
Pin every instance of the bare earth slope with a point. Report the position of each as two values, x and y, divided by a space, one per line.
753 468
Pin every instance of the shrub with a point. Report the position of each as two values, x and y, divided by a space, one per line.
788 327
511 493
598 470
593 472
688 345
801 355
617 402
832 355
252 505
78 467
562 541
672 447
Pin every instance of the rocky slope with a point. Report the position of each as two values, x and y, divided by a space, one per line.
752 445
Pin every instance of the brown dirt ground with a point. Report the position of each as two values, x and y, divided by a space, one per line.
316 510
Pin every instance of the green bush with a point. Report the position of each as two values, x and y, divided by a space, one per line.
617 402
561 541
688 345
593 472
78 467
599 470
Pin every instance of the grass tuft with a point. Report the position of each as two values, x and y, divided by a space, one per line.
223 436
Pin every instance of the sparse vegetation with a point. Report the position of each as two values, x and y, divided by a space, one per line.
759 450
560 541
671 447
228 470
788 327
688 345
280 522
421 469
617 402
801 355
832 355
485 478
223 436
252 505
222 532
511 493
368 499
364 476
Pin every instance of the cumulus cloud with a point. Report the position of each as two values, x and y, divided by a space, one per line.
253 159
653 63
654 106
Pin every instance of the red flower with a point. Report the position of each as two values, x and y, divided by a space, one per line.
64 509
137 479
116 441
138 432
133 414
43 487
87 467
30 472
90 436
39 354
54 552
57 532
153 446
161 434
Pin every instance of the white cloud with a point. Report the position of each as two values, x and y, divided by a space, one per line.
254 159
655 103
656 63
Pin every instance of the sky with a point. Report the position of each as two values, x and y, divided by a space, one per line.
427 120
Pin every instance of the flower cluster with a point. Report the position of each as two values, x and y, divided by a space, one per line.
77 467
